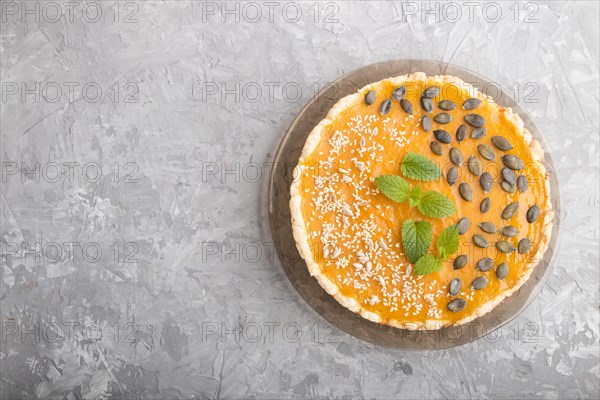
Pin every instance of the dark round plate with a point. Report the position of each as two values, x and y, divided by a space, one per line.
295 267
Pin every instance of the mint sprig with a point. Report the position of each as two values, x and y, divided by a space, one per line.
416 238
447 242
427 264
436 205
419 167
394 187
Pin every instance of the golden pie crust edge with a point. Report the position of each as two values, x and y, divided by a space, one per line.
299 226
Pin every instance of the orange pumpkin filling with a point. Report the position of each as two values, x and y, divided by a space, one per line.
354 231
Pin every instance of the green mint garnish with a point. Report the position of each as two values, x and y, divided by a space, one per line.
427 264
419 167
416 238
447 242
435 205
394 187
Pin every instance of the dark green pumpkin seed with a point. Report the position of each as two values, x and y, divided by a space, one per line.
501 143
507 187
505 247
455 285
488 227
485 264
456 305
480 241
463 225
456 156
471 104
385 107
426 123
442 136
475 120
406 106
509 175
447 105
524 245
533 214
461 133
486 152
452 176
510 210
522 183
436 148
502 271
442 118
509 231
370 97
485 204
461 261
486 182
480 283
465 191
399 93
478 133
431 92
474 165
427 104
513 162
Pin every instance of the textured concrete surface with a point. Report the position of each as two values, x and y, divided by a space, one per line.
136 145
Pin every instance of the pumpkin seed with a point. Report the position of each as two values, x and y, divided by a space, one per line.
385 107
471 104
447 105
533 214
510 210
463 225
524 245
475 120
488 227
370 97
502 271
406 106
509 231
456 305
480 283
452 176
478 133
501 143
455 285
522 183
399 93
485 204
456 156
461 261
427 104
442 136
480 241
486 182
431 92
426 123
513 162
442 118
435 147
465 191
485 264
507 187
486 152
505 247
461 133
474 165
509 176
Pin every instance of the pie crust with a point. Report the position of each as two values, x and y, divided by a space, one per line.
382 295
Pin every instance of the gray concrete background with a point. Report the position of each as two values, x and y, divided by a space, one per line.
137 259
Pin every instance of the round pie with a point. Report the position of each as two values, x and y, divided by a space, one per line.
420 203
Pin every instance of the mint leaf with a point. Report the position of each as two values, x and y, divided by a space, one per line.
414 197
394 187
435 205
447 242
427 264
416 238
419 167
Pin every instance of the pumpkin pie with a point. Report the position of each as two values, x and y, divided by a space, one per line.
420 203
